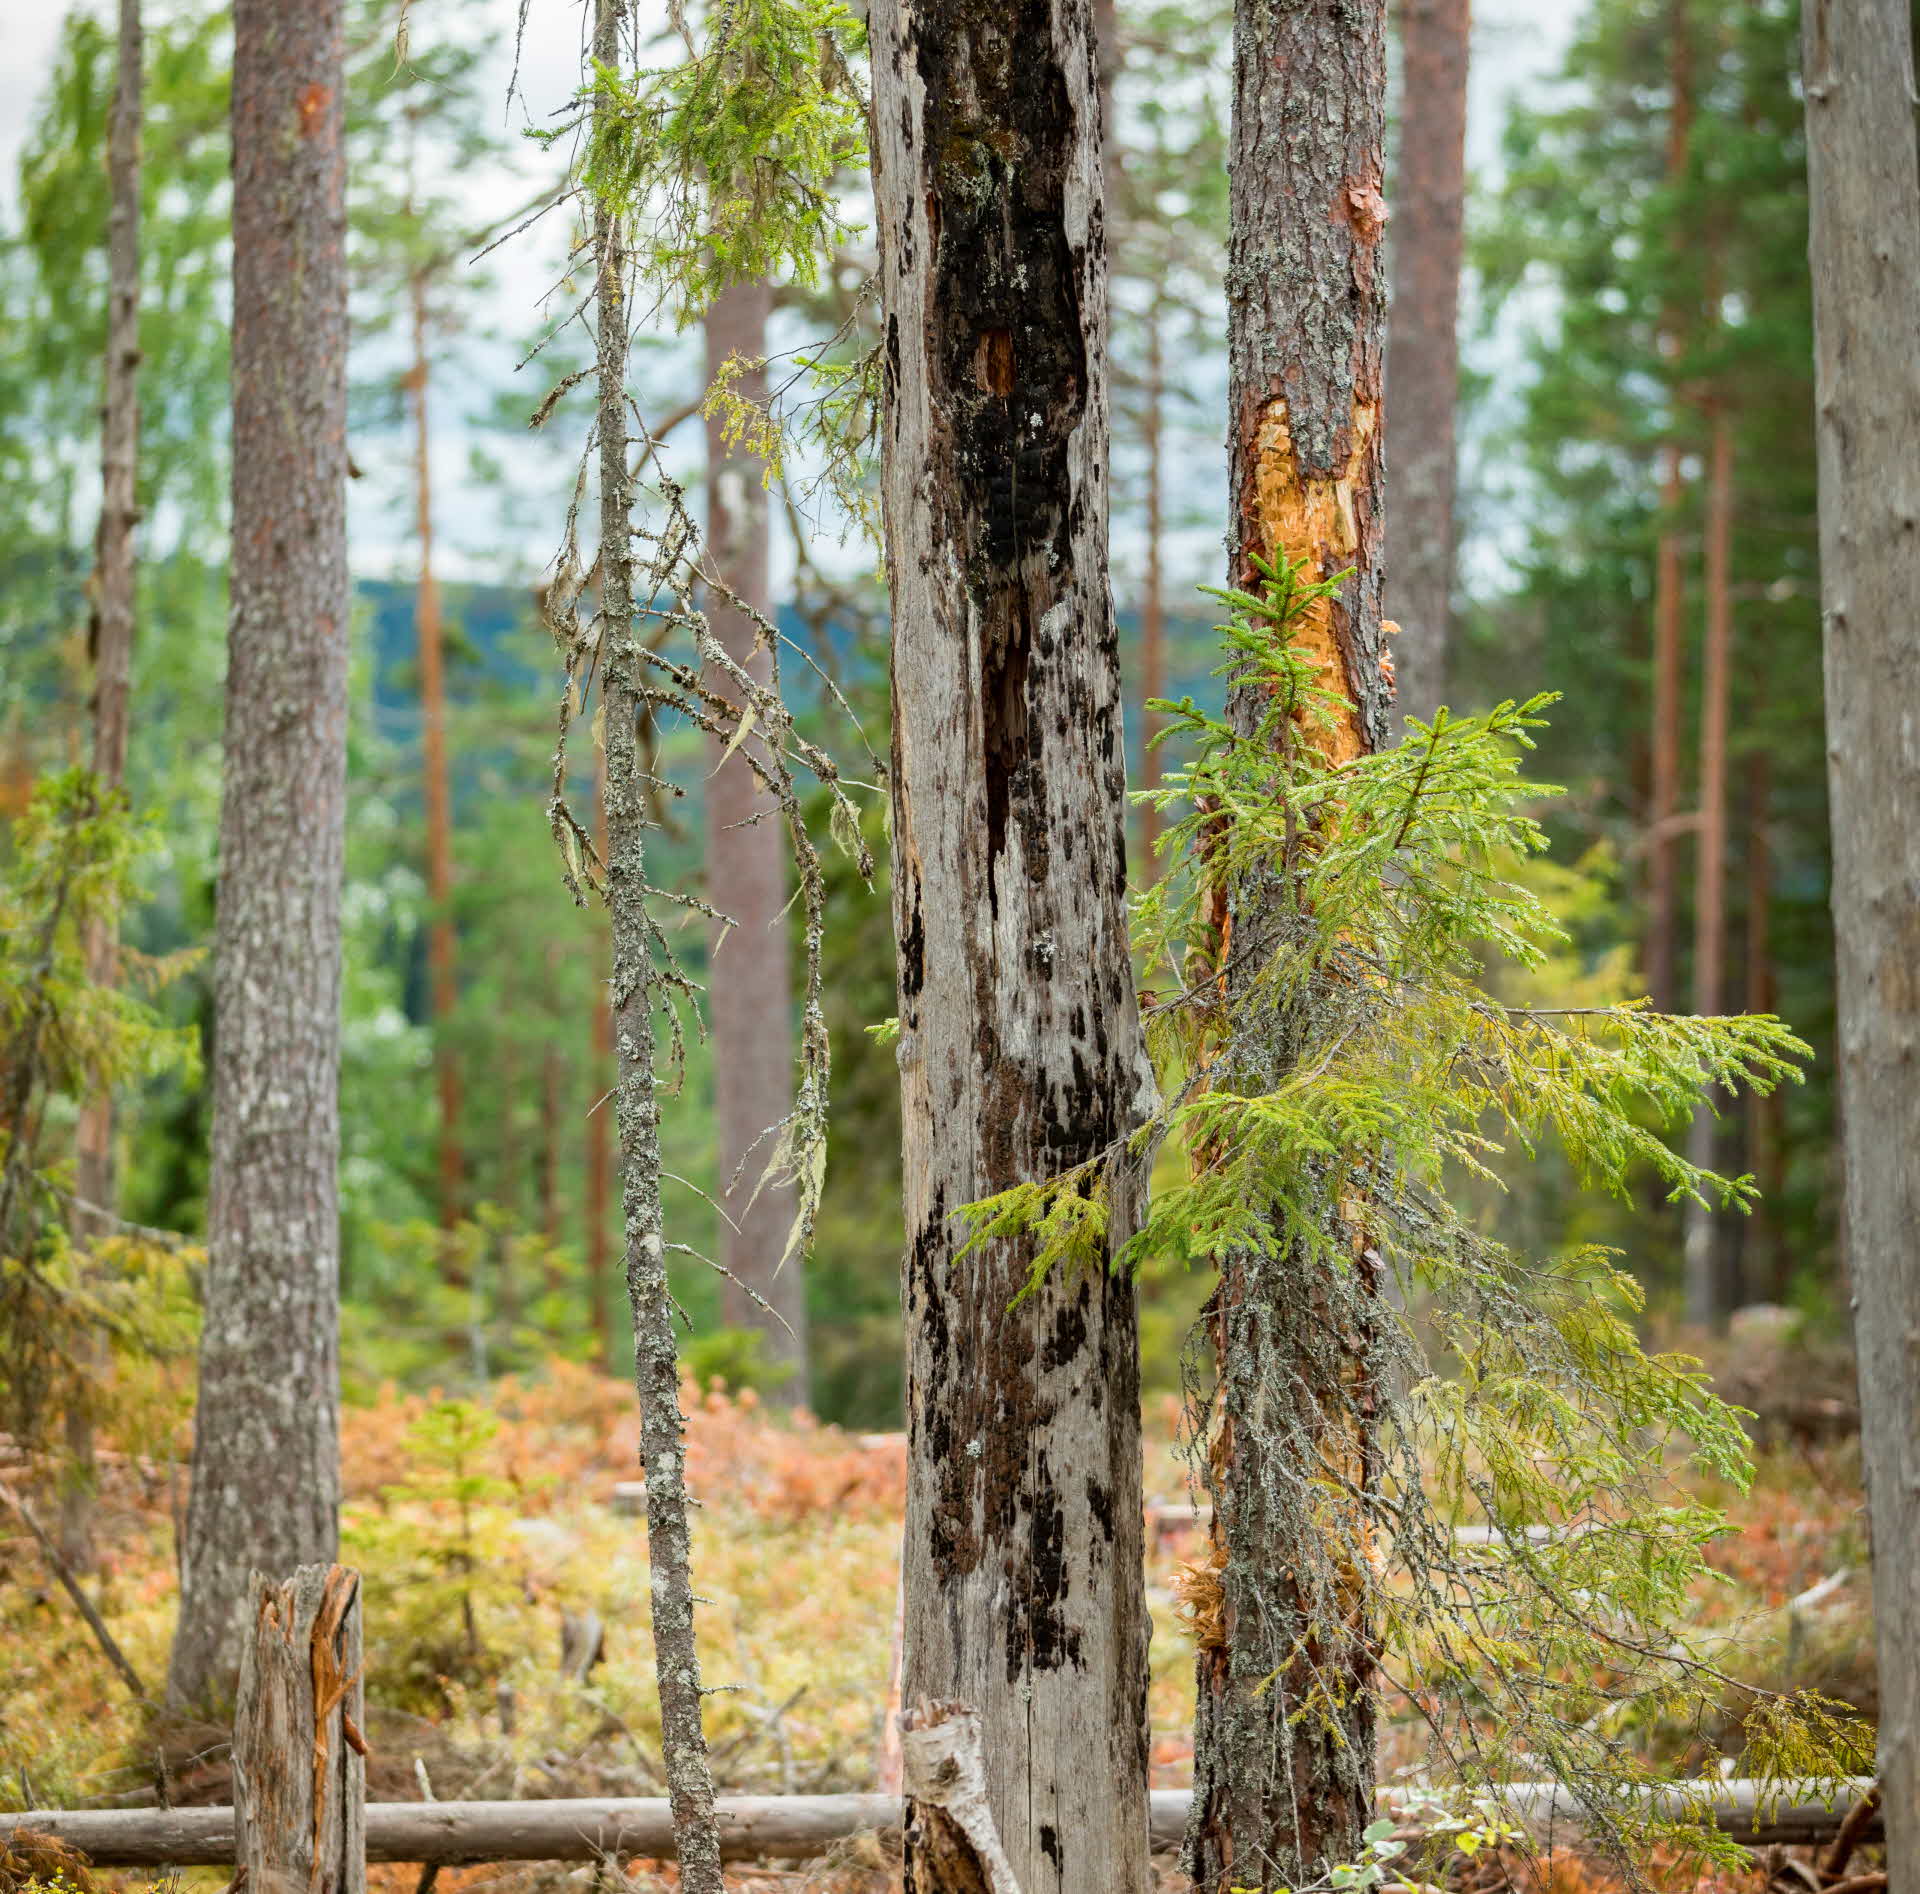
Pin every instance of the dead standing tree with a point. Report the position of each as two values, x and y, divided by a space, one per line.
1283 1766
1020 1047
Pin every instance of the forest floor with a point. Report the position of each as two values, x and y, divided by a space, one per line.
482 1529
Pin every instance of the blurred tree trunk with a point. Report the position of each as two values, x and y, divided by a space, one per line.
750 985
1020 1049
1765 1266
112 629
1864 176
1669 601
265 1487
1423 358
1284 1719
1153 608
599 1112
443 983
1709 1297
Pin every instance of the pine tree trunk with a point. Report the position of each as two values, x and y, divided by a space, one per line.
1153 606
683 1743
443 985
1864 177
113 625
265 1487
1020 1048
600 1113
750 987
1708 1300
1423 360
1283 1771
1669 603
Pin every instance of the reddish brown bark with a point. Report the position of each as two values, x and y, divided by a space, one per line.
1669 604
1423 361
442 978
1283 1770
750 996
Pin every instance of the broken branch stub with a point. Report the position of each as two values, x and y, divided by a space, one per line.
958 1848
299 1770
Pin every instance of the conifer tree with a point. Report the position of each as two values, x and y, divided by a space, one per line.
1019 1040
750 993
1865 176
1423 356
265 1484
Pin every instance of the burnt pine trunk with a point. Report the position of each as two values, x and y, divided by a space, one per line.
442 980
683 1743
112 640
750 988
1283 1733
1020 1048
1423 360
265 1487
1865 191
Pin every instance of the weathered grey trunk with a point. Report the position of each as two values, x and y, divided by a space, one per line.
1020 1048
750 994
266 1455
683 1740
114 575
299 1761
1865 185
1423 361
1283 1734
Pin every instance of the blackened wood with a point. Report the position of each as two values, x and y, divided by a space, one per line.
1020 1048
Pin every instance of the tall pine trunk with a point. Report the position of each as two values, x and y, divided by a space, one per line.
750 987
1708 1297
114 576
683 1742
265 1490
1020 1046
600 1075
1423 360
442 981
1669 600
1864 177
1283 1733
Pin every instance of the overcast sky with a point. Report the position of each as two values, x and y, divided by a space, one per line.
1517 43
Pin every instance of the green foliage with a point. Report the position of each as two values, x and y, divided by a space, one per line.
69 871
1330 1074
732 155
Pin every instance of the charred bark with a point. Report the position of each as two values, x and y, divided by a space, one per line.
1020 1047
1283 1734
750 988
265 1489
1865 192
1423 361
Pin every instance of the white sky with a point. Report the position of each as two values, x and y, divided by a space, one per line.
1517 43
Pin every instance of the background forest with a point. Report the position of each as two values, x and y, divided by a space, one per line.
1635 529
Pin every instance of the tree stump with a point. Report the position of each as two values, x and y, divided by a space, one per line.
299 1769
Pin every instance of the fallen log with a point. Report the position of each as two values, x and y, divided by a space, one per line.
803 1827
